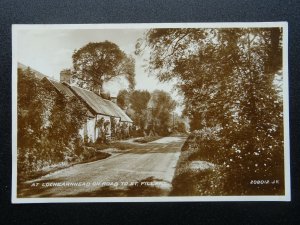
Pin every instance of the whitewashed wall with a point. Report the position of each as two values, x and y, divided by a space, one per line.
88 129
91 123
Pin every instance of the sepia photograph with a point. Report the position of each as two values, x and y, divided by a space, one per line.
150 112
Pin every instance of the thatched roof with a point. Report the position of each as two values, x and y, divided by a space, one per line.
65 90
100 105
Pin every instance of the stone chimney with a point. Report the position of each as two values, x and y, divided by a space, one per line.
65 76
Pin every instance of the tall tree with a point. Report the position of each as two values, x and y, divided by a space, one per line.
139 104
227 77
162 106
96 63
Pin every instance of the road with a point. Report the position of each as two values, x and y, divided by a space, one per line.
135 171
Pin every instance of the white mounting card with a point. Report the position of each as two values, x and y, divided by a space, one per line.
164 112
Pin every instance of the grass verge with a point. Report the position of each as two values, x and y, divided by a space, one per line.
147 139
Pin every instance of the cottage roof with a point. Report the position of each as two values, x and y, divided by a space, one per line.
119 112
100 105
63 89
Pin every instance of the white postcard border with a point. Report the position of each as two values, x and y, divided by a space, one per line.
286 197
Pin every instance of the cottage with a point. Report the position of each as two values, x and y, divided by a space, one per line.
103 118
108 116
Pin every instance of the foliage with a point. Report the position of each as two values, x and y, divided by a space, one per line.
30 104
122 145
90 154
70 111
180 127
123 99
139 104
205 182
200 147
139 100
136 104
96 63
147 139
113 126
33 102
48 125
100 123
227 78
161 105
151 112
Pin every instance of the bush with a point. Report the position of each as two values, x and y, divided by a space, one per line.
48 125
88 152
234 172
192 183
122 145
91 154
147 139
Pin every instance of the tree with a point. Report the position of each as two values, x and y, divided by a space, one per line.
48 124
136 105
96 63
180 126
227 78
33 101
162 106
139 104
123 99
149 111
139 100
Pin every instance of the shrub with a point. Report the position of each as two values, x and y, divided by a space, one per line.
235 171
48 125
88 153
122 145
147 139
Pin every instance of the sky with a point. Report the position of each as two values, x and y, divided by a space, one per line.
50 50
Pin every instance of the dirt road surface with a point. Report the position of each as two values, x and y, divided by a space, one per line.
150 165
